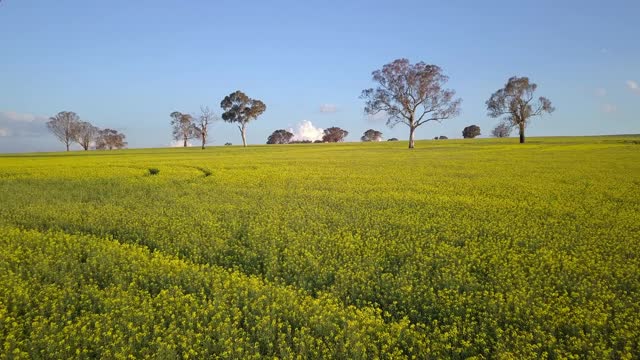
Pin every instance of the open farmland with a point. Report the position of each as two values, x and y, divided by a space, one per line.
457 249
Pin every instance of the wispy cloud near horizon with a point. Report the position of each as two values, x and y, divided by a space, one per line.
633 86
22 124
328 108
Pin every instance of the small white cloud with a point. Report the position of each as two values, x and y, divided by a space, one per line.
604 50
601 92
633 86
179 143
328 108
4 132
305 130
609 108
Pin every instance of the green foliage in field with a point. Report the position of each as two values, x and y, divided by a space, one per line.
458 249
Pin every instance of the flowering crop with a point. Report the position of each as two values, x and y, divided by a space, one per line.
457 249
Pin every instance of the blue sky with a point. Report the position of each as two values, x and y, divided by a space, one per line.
129 64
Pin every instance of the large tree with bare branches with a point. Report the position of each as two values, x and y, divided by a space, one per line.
85 134
240 109
201 126
516 104
183 127
411 94
64 126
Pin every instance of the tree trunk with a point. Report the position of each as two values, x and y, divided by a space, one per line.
521 133
204 139
67 146
411 135
243 131
185 142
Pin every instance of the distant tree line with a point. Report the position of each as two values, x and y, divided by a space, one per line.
409 94
67 127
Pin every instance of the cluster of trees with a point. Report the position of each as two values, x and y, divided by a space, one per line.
69 128
415 94
238 109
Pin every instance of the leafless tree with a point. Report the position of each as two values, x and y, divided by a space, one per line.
201 126
183 127
371 135
110 139
411 94
502 130
64 125
240 109
516 103
85 134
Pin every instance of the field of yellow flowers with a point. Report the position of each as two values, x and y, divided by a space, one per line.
458 249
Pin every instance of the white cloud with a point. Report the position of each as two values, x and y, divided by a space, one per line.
601 92
633 86
328 108
22 124
305 130
179 143
609 108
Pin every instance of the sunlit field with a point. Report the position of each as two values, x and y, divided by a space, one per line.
457 249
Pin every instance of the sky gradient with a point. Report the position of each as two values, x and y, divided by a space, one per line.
128 64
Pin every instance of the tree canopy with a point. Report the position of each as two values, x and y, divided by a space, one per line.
334 134
371 135
471 131
516 104
241 109
411 94
280 137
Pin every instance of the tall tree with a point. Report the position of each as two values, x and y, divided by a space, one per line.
471 131
183 127
515 101
201 126
334 134
110 139
371 135
85 134
280 137
502 130
64 125
411 94
241 109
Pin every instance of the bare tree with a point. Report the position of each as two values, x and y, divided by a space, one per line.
110 139
85 134
202 123
280 137
240 109
183 127
64 125
411 94
334 134
371 135
502 130
516 103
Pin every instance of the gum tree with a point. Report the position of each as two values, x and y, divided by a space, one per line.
515 102
64 126
241 109
411 94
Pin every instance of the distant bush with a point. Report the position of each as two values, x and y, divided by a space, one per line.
441 137
154 171
471 131
228 144
393 139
